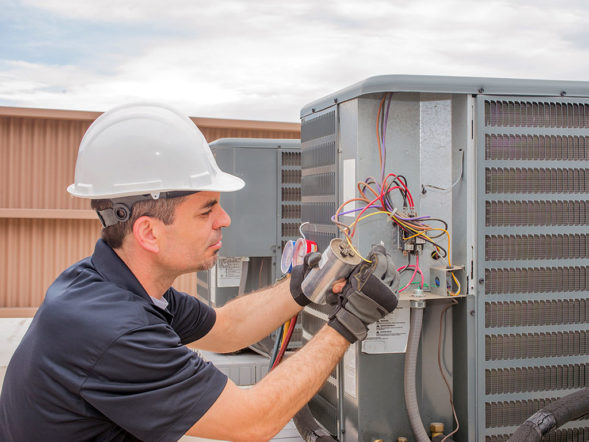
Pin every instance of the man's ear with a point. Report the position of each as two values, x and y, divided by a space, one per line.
145 231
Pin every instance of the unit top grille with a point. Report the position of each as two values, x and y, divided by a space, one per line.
536 114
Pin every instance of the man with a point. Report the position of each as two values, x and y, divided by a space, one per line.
104 357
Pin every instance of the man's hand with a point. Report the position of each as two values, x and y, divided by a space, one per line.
369 295
298 274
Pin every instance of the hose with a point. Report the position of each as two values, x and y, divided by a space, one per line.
309 429
410 366
555 414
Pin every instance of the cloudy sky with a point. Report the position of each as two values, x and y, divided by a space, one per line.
263 59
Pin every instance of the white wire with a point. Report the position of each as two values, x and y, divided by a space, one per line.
448 189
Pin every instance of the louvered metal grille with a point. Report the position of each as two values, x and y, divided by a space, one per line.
536 280
290 229
291 194
290 177
319 199
524 247
536 147
319 184
554 377
533 313
560 435
320 154
320 213
318 127
511 413
520 180
537 213
536 114
291 159
291 211
520 200
536 345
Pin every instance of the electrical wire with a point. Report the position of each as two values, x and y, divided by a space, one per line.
276 347
291 327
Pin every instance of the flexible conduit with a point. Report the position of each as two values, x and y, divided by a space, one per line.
410 366
309 429
555 414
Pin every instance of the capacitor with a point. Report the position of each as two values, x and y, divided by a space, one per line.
337 262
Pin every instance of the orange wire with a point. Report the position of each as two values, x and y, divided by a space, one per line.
378 132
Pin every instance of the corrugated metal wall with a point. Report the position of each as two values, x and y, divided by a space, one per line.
42 229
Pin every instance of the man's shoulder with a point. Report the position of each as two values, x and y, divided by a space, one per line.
83 302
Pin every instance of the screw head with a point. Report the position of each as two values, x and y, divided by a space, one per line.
481 281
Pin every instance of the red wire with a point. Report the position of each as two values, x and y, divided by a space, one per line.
286 341
409 196
368 205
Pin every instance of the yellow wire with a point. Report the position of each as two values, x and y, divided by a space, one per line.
354 249
450 261
417 233
285 331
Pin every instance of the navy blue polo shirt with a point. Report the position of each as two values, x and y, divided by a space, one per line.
101 362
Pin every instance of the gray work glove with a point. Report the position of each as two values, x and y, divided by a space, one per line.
369 295
298 274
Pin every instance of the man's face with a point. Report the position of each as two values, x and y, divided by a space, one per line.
193 240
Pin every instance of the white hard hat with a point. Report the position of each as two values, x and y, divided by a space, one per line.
145 148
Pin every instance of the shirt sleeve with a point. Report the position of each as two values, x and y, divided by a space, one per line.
192 318
151 385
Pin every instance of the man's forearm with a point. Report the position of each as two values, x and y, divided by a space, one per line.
249 318
262 411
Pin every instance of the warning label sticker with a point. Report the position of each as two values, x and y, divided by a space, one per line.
229 271
390 334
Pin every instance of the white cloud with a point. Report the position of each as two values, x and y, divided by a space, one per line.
267 59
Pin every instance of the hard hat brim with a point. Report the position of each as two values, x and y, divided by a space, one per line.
223 182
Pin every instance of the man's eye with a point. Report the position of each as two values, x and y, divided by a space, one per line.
206 213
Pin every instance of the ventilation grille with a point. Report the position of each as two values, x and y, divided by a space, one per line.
291 194
536 147
320 213
539 280
292 159
290 229
318 155
291 176
318 127
560 435
536 114
524 247
319 184
533 313
521 380
536 345
291 211
519 180
512 413
536 213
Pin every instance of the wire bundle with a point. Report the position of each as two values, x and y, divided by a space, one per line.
282 341
376 198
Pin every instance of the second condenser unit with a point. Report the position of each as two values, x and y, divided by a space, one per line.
478 187
265 213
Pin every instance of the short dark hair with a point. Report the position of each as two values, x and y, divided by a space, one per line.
162 209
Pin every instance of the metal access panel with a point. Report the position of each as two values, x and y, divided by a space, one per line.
265 214
497 344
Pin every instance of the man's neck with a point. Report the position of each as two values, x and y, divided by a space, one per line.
149 276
